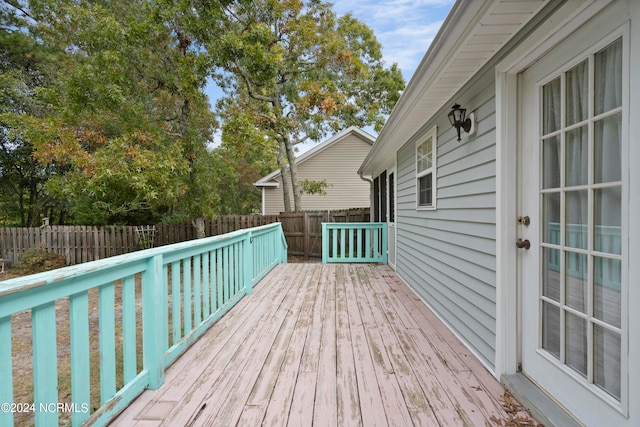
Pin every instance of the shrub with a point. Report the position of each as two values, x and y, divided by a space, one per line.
37 260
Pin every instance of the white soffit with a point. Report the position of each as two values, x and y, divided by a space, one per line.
472 34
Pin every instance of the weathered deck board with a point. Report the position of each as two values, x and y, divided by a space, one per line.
334 345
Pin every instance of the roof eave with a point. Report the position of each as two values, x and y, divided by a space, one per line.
428 91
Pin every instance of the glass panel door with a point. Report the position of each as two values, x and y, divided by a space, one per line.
581 204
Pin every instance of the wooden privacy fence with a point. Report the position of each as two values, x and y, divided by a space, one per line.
303 230
79 244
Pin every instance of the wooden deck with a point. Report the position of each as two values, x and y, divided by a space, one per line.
333 345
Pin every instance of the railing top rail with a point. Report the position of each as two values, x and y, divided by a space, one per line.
353 224
41 279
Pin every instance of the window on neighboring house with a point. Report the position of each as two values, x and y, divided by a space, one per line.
426 170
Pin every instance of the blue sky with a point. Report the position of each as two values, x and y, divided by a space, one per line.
404 28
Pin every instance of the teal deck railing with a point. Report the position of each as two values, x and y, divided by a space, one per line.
354 242
169 297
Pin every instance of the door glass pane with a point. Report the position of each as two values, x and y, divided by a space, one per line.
577 93
608 220
551 328
551 107
607 142
576 343
577 219
608 77
577 157
551 273
607 360
576 280
606 293
551 155
551 218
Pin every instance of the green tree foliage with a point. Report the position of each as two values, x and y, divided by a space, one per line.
247 154
25 68
300 71
126 119
309 186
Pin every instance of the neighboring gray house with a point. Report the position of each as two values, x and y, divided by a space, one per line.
335 160
521 236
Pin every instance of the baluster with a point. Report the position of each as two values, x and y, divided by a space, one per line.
197 301
129 332
6 373
45 362
176 309
79 349
107 333
186 294
205 285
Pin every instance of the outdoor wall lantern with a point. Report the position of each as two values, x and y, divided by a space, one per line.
458 119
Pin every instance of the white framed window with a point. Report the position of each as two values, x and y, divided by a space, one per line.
426 170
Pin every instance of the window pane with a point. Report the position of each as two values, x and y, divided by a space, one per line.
577 157
607 142
577 93
576 343
551 273
551 218
607 360
424 156
606 293
608 78
576 280
426 188
551 328
608 220
551 168
577 219
551 108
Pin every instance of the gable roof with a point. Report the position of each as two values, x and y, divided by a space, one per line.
268 181
472 33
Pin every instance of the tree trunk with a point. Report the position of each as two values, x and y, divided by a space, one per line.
286 190
293 170
198 223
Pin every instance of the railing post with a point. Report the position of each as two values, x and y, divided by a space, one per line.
248 262
152 351
385 248
325 243
283 247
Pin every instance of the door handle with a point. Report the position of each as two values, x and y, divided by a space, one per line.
523 244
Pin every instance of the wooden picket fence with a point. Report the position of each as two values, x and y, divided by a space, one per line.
79 244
